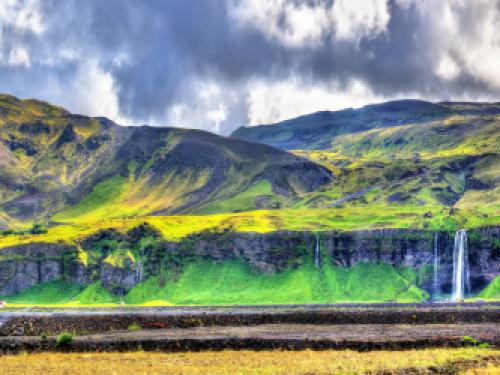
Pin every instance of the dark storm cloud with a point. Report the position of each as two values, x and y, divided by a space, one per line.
141 61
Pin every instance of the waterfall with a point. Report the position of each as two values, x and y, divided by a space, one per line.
138 272
436 289
461 277
317 262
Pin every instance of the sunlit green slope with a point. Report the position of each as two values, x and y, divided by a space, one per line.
436 161
205 282
58 166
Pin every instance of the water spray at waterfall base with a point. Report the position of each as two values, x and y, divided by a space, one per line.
461 273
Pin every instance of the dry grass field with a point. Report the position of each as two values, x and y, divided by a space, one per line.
470 360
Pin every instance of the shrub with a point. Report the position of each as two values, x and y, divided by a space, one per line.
469 340
134 327
64 339
38 229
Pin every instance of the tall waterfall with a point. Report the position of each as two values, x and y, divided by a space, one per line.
436 288
317 261
461 279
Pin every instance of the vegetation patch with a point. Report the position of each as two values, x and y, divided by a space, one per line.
53 292
492 291
94 294
103 202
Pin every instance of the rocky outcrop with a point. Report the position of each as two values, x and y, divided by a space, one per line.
118 279
24 266
268 253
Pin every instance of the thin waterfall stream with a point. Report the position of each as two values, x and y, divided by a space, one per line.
436 289
317 261
139 272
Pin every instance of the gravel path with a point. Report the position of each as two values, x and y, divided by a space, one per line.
269 336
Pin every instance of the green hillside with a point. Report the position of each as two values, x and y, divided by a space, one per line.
67 168
205 282
397 164
436 171
407 164
436 161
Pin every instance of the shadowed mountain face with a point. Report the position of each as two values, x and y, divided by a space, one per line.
316 130
52 161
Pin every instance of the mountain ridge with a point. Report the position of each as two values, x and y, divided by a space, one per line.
308 131
54 159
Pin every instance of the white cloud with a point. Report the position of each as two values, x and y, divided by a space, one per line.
23 15
357 19
465 36
447 68
269 103
207 105
92 92
217 115
18 56
303 23
19 18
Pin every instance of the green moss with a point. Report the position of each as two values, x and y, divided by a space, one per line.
95 294
149 290
53 292
492 291
206 282
234 282
119 258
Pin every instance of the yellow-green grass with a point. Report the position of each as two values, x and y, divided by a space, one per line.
206 282
102 202
492 291
247 362
243 201
50 293
457 136
484 201
354 217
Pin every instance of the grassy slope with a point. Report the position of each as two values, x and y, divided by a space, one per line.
101 203
353 217
418 168
54 292
492 291
243 201
384 158
54 162
204 282
94 294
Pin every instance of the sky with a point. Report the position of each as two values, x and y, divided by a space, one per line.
220 64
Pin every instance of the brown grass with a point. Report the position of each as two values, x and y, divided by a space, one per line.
239 362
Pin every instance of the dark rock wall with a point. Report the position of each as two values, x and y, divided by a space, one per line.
24 266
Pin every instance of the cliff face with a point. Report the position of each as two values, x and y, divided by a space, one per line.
120 261
22 267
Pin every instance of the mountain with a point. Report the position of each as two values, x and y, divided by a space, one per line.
70 168
438 159
361 209
316 130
